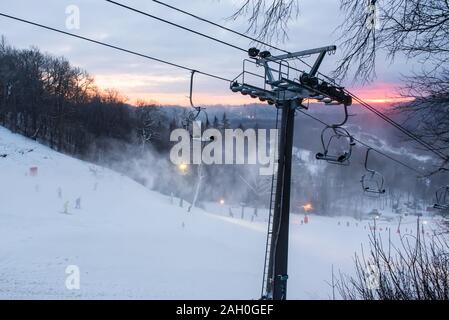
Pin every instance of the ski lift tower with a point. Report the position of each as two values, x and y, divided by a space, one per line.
286 88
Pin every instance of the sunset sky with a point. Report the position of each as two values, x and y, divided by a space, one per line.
138 78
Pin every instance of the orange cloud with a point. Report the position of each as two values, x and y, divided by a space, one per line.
200 99
380 93
148 88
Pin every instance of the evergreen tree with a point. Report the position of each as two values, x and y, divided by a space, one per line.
225 124
207 125
215 124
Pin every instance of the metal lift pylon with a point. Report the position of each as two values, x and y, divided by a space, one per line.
282 87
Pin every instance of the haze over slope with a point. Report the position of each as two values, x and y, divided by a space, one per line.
130 242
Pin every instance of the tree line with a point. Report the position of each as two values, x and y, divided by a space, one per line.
47 99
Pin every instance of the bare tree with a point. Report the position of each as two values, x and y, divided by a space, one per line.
417 269
417 29
268 19
147 120
428 111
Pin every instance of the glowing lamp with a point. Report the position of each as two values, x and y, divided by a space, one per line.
183 168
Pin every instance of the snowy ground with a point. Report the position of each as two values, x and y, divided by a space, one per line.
130 242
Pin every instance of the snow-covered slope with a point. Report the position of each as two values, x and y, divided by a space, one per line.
130 242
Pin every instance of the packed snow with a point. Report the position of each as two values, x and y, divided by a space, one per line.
132 243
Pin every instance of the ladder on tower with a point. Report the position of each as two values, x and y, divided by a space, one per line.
266 276
282 85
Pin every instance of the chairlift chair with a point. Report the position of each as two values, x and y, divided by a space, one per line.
337 133
372 181
195 113
442 199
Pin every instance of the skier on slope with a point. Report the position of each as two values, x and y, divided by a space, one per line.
66 207
78 203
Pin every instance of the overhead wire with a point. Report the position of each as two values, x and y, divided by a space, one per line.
219 25
392 122
114 47
189 29
411 135
365 144
405 131
175 24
